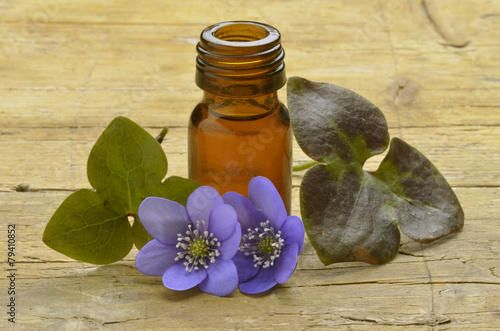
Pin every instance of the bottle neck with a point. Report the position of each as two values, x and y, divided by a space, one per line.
240 59
241 107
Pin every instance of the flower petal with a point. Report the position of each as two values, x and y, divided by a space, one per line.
293 232
223 220
177 278
155 258
229 247
263 281
245 266
222 278
248 216
267 200
163 219
285 265
201 202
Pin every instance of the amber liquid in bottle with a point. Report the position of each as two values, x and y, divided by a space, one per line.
240 130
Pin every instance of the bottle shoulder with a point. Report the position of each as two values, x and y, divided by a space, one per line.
203 113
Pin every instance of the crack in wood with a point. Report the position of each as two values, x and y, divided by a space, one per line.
432 313
22 188
451 39
492 271
489 15
435 321
123 321
400 282
403 252
27 188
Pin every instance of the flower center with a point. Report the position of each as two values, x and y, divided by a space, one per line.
263 243
198 247
266 245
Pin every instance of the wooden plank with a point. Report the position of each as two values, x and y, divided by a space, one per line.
33 209
415 106
454 151
451 257
345 295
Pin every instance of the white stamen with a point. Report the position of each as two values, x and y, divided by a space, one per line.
258 242
199 247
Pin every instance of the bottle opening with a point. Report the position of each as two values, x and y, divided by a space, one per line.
241 32
241 58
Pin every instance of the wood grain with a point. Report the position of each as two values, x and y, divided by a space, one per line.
68 67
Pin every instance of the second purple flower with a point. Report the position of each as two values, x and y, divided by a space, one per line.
271 240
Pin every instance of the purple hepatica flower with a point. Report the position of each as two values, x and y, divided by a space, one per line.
271 240
193 245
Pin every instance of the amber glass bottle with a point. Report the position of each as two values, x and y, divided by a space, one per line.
240 129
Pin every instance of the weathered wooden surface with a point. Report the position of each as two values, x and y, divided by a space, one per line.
68 67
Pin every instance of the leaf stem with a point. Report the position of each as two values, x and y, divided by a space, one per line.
162 135
305 165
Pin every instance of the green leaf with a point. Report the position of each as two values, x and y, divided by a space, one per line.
141 236
426 206
87 229
331 122
350 214
126 165
348 219
177 189
173 188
